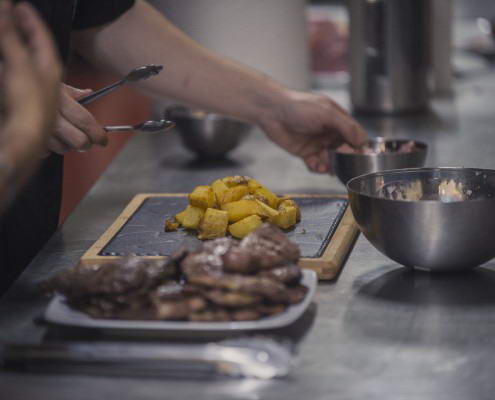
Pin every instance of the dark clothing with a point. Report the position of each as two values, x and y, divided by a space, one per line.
33 218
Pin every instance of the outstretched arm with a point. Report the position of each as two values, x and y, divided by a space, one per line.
302 123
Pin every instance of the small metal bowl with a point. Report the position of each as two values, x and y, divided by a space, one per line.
205 134
439 219
348 166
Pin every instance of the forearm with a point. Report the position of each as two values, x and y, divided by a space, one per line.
192 74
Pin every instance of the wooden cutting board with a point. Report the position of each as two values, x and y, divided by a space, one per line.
325 235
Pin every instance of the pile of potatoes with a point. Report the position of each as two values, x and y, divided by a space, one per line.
234 204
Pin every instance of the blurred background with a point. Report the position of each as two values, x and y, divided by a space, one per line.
311 39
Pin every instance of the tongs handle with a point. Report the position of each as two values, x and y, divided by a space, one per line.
101 92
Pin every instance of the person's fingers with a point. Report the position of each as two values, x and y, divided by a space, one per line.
71 136
347 127
57 146
39 40
82 119
76 93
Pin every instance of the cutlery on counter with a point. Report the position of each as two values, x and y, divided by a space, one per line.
145 127
135 75
260 358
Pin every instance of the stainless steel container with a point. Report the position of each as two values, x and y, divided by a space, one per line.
440 219
389 55
348 166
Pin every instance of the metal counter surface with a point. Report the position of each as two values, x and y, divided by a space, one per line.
381 331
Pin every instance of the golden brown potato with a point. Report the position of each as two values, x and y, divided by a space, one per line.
287 217
290 203
236 180
202 197
253 184
171 226
268 211
268 195
245 226
241 209
233 194
192 217
238 200
214 224
219 189
180 216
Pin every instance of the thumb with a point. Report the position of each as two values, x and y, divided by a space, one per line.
76 93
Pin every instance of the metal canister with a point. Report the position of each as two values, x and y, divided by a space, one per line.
389 55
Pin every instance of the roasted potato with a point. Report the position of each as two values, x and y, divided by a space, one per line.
268 211
214 224
290 203
236 180
192 217
268 195
171 226
202 197
233 194
245 226
219 189
241 209
253 184
287 217
238 200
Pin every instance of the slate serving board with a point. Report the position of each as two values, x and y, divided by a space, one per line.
139 231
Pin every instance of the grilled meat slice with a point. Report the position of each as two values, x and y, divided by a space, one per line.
290 274
271 247
231 299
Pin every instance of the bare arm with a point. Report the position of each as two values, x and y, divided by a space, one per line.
302 123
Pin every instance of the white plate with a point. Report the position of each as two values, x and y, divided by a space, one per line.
58 312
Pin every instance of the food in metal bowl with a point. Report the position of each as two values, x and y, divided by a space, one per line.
380 148
379 154
441 219
223 280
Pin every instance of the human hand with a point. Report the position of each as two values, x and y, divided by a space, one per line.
76 128
29 80
307 124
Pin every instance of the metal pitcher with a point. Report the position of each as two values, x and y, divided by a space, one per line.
389 55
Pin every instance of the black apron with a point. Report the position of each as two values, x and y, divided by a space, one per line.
33 217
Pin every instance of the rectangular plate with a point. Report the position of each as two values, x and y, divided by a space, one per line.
325 234
144 235
58 312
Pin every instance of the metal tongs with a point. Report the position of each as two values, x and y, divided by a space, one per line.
260 358
135 75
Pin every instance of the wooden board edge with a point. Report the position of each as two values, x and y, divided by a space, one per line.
92 253
332 260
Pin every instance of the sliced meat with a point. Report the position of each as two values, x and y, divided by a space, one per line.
210 315
271 309
232 299
290 274
271 247
247 314
266 287
297 293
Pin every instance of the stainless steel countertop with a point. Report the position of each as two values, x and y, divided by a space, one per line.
380 332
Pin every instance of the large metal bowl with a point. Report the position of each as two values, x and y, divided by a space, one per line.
348 166
441 219
208 135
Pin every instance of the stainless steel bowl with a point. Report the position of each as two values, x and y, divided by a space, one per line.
348 166
206 134
441 219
